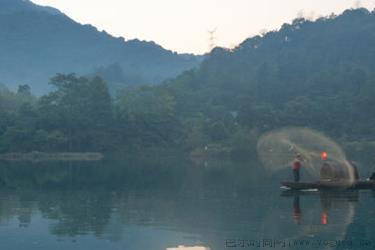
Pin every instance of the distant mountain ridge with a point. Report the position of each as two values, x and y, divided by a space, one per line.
14 6
37 42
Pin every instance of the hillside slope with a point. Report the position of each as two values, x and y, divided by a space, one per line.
38 42
319 74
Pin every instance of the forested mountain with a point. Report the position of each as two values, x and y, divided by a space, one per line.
15 6
38 42
319 74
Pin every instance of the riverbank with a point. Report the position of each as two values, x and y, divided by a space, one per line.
43 156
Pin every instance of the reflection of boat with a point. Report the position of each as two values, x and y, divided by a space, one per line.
328 185
320 221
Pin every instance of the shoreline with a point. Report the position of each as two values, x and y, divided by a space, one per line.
61 156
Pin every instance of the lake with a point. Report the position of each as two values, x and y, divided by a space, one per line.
161 203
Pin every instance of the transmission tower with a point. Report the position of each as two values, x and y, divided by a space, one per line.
212 38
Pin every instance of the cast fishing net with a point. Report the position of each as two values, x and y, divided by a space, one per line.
278 149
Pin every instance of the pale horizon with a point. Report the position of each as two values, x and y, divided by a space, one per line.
183 25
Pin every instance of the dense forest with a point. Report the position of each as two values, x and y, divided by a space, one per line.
318 74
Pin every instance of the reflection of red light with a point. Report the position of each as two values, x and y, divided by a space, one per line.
297 215
324 218
324 155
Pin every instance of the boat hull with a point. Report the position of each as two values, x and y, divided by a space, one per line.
328 185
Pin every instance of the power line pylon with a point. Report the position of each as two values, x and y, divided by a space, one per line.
212 38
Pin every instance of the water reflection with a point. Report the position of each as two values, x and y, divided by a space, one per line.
326 219
297 213
160 206
331 202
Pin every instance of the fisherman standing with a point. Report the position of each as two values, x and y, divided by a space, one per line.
296 166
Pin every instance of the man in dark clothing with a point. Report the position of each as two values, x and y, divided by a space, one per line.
296 166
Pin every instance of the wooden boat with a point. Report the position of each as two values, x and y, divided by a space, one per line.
328 185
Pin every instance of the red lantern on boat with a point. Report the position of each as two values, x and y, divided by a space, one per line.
324 155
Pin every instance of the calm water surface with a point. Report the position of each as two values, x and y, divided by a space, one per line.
161 204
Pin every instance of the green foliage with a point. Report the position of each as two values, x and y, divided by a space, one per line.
75 116
147 115
315 74
83 106
195 135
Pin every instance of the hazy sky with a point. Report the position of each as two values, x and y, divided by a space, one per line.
183 25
